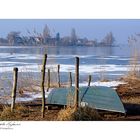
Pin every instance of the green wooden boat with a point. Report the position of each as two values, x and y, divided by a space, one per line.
98 97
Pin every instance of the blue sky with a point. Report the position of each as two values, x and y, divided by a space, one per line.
90 28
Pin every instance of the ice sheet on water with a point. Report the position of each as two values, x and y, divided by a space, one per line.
70 56
106 84
20 56
30 96
39 56
84 69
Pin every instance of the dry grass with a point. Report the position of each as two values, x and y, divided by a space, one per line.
19 112
134 70
132 86
81 114
26 82
131 100
132 78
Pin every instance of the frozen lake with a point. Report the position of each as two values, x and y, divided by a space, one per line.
108 63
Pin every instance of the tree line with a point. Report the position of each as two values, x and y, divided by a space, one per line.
15 38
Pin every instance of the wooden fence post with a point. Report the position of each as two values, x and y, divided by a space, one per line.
58 74
70 79
42 85
89 80
48 82
15 77
77 83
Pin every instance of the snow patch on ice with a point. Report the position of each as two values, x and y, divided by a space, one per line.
106 84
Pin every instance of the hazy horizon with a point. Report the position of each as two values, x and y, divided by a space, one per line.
90 28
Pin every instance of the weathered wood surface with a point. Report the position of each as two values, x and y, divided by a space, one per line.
42 84
48 80
15 77
77 83
70 79
58 75
89 80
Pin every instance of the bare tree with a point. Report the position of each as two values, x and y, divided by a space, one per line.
11 37
73 37
108 40
46 32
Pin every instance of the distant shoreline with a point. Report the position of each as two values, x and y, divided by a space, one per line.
55 46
